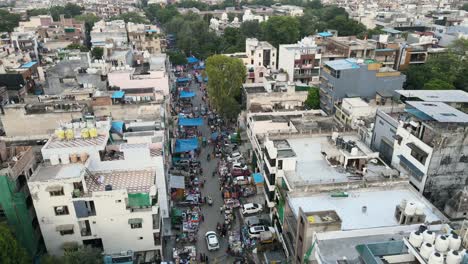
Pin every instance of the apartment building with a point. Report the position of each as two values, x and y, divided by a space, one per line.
261 57
301 61
356 78
113 32
83 193
146 38
350 47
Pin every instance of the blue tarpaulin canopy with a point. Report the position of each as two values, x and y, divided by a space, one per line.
184 145
118 95
199 67
190 121
117 127
258 178
199 78
325 34
183 79
192 60
185 94
29 64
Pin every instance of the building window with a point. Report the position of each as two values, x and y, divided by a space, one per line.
135 226
261 74
67 232
273 54
280 164
135 223
61 210
57 192
259 55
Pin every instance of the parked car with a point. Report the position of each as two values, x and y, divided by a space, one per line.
235 156
212 241
254 231
239 172
241 180
255 220
251 208
240 166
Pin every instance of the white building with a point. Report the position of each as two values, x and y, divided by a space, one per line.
301 61
113 32
85 196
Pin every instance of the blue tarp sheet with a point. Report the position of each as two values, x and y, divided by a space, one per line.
214 135
117 127
184 145
258 178
185 94
192 60
199 78
118 95
29 64
183 79
199 67
190 121
325 34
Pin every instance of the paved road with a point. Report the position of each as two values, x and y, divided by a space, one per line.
211 188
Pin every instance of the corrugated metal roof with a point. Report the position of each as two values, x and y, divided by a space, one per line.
448 96
440 112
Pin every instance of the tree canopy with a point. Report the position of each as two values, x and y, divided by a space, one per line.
281 30
177 58
225 78
84 255
69 10
97 53
10 250
131 17
313 99
77 47
9 21
162 15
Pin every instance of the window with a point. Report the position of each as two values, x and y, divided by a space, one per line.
259 55
57 192
421 157
118 201
280 164
67 232
61 210
135 223
261 74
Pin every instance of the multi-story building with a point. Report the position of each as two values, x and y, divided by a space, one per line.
66 29
16 202
351 47
261 58
113 32
353 78
146 38
84 194
301 61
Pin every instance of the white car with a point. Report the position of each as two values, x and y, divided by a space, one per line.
240 166
212 241
235 156
251 208
254 231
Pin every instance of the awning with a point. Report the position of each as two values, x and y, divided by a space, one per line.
29 64
177 182
416 149
185 94
117 127
190 121
192 60
184 145
133 221
64 227
54 188
183 79
118 95
258 178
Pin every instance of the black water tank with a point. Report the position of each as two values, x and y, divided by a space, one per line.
108 187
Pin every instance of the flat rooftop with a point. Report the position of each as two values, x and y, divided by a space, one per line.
56 143
48 172
436 111
312 168
446 96
345 64
380 207
133 181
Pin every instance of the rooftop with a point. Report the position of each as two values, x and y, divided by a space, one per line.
134 181
380 205
56 143
48 172
345 64
446 96
437 111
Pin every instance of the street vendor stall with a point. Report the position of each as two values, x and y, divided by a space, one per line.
187 254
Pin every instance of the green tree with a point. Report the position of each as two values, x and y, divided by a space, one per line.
437 84
281 30
84 255
161 14
69 10
131 17
89 20
225 78
313 99
10 250
97 53
346 26
464 7
38 11
251 29
9 21
77 47
232 41
177 58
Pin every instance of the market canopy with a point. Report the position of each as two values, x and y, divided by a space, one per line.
184 145
192 60
177 182
118 95
117 127
190 121
258 178
183 79
199 67
185 94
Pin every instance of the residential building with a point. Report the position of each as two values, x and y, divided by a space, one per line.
260 53
16 202
353 78
301 61
65 30
350 47
430 148
146 38
84 193
109 34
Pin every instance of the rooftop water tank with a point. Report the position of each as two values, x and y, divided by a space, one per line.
403 204
419 209
65 158
410 208
416 239
436 258
454 242
84 133
426 250
453 257
69 134
429 237
54 159
60 133
441 243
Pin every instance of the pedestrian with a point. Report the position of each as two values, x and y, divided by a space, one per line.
206 260
202 218
221 209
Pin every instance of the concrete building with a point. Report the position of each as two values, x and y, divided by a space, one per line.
82 195
430 148
16 204
112 34
353 78
350 47
260 53
301 61
146 38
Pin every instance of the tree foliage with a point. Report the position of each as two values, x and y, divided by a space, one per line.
38 12
225 78
9 21
131 17
84 255
74 46
281 30
10 250
69 10
177 58
313 99
97 53
157 13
